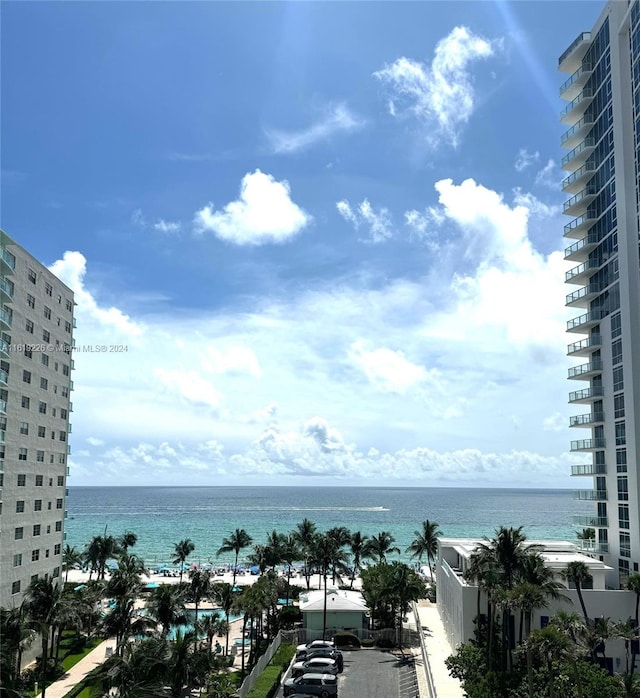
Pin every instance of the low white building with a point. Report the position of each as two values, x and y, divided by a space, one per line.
457 599
346 610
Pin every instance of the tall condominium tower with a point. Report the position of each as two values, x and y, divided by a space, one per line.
603 162
36 337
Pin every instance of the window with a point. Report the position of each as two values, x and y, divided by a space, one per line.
48 529
28 326
39 480
47 312
50 482
65 370
63 413
56 572
62 459
625 545
621 434
42 407
623 571
63 436
31 301
22 480
51 458
19 533
59 503
623 488
24 428
26 376
618 380
28 353
616 352
60 480
26 402
15 587
616 325
68 304
37 505
623 515
67 326
22 454
618 406
48 289
40 456
53 411
35 555
36 529
59 298
65 392
53 433
17 560
31 275
46 552
42 432
44 384
58 526
46 336
20 506
56 549
45 359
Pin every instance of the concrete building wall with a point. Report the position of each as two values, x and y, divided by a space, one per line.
36 359
312 620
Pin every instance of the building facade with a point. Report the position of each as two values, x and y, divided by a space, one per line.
36 338
603 163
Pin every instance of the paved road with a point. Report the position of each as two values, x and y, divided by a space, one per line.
373 673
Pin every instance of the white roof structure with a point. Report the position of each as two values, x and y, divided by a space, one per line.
337 600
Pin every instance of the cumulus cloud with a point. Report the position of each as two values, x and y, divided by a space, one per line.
191 385
233 359
263 213
390 370
378 222
440 95
525 159
167 226
336 119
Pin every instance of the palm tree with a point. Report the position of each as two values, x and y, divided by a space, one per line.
578 573
305 535
273 548
166 606
357 548
426 543
633 584
123 586
16 636
260 557
99 551
71 557
210 626
404 586
182 550
199 587
549 644
324 555
187 666
236 542
224 596
42 602
378 547
127 540
342 538
290 552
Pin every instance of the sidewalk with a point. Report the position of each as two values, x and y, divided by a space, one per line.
60 688
437 648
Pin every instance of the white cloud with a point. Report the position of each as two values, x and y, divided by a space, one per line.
190 385
264 213
167 226
442 94
390 370
535 206
233 359
550 176
92 441
554 422
337 118
377 221
525 159
137 218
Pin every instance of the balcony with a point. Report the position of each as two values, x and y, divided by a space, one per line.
579 251
588 469
572 136
585 371
578 156
576 180
3 406
591 521
589 419
2 435
572 85
577 107
586 395
591 495
7 261
4 348
6 290
584 346
593 547
587 444
4 377
586 321
5 319
579 274
571 59
577 227
579 202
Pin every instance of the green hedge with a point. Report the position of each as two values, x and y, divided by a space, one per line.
268 682
345 639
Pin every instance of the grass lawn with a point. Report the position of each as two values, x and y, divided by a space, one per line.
72 652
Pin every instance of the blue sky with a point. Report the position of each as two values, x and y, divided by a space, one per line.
329 234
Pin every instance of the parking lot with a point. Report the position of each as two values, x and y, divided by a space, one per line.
372 673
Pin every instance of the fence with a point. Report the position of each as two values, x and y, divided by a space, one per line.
248 683
425 659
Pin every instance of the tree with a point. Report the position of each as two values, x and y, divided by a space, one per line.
15 637
210 626
305 533
273 548
578 573
290 552
199 587
633 584
99 551
357 547
187 666
404 586
71 558
182 550
166 606
224 596
236 542
325 550
378 547
127 540
426 543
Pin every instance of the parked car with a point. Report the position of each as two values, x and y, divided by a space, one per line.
325 652
320 665
323 685
314 644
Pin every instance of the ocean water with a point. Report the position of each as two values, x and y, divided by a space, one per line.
162 516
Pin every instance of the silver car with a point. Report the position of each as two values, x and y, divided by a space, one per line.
323 685
319 665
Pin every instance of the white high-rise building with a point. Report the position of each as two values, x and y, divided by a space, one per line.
36 338
603 164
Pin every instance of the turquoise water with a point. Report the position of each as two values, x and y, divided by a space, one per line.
162 516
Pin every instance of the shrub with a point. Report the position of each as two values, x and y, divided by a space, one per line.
345 639
367 642
385 642
268 683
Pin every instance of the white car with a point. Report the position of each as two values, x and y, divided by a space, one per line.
316 665
315 644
